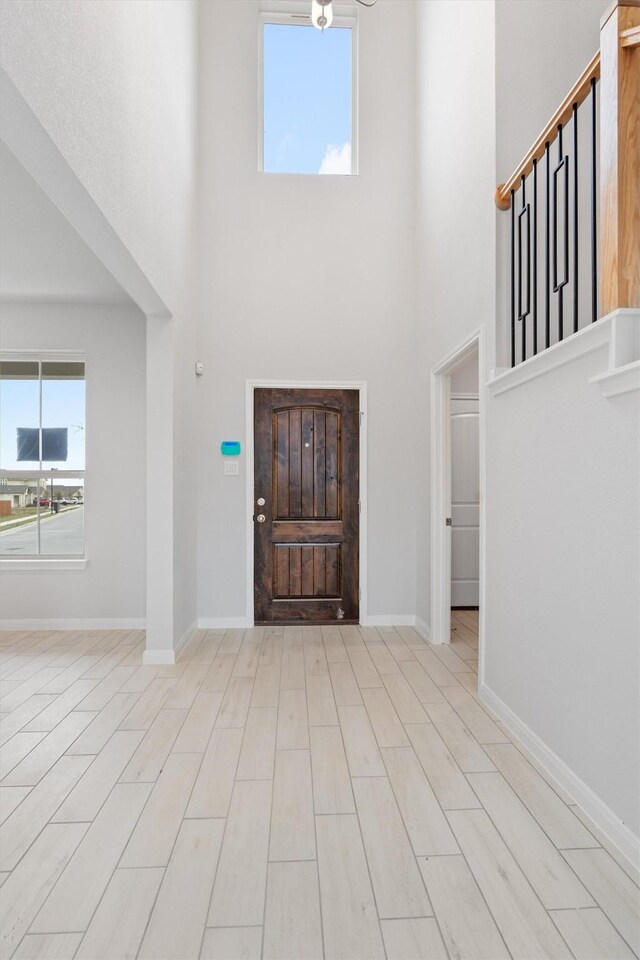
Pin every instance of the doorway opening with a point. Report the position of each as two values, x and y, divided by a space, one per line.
306 500
457 499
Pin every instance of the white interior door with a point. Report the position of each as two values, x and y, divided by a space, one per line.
465 502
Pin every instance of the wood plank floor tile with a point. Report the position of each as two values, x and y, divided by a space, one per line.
523 922
129 896
24 892
440 675
421 683
239 890
15 721
23 826
266 689
292 666
558 820
154 835
257 757
212 791
102 694
218 674
178 919
292 925
162 827
51 716
104 725
616 894
16 749
385 664
363 755
320 702
397 883
556 884
345 687
147 761
315 660
629 868
364 668
349 918
590 935
86 798
43 756
407 705
334 648
241 943
449 784
48 946
467 752
235 704
468 929
10 798
477 721
332 791
145 709
71 904
292 823
293 727
417 939
196 730
384 719
426 824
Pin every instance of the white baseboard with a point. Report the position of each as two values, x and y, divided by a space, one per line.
158 658
223 623
613 828
423 629
389 620
94 623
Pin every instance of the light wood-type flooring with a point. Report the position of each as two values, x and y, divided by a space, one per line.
318 792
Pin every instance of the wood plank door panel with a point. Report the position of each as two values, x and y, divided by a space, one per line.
307 473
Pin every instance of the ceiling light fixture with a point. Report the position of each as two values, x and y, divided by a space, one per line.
322 12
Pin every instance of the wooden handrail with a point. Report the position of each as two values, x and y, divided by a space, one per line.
579 92
630 37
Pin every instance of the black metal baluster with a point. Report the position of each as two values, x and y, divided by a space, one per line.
535 257
575 217
558 286
547 284
513 280
522 315
594 239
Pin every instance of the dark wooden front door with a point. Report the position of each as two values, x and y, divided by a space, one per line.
306 474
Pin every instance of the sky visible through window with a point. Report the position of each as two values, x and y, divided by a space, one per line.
307 99
62 406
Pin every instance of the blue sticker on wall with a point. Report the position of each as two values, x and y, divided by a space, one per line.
230 448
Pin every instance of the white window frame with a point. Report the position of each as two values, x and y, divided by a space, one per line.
50 560
299 14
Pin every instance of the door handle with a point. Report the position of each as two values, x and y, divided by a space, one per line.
261 518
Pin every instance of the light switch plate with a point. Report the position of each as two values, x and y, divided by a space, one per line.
231 468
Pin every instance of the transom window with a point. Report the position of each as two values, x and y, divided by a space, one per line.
308 96
42 457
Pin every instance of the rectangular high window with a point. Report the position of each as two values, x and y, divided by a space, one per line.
308 96
42 457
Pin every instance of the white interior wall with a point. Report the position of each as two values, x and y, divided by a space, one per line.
465 378
307 278
455 260
562 492
112 586
114 86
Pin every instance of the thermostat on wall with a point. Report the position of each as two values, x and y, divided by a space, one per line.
230 448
